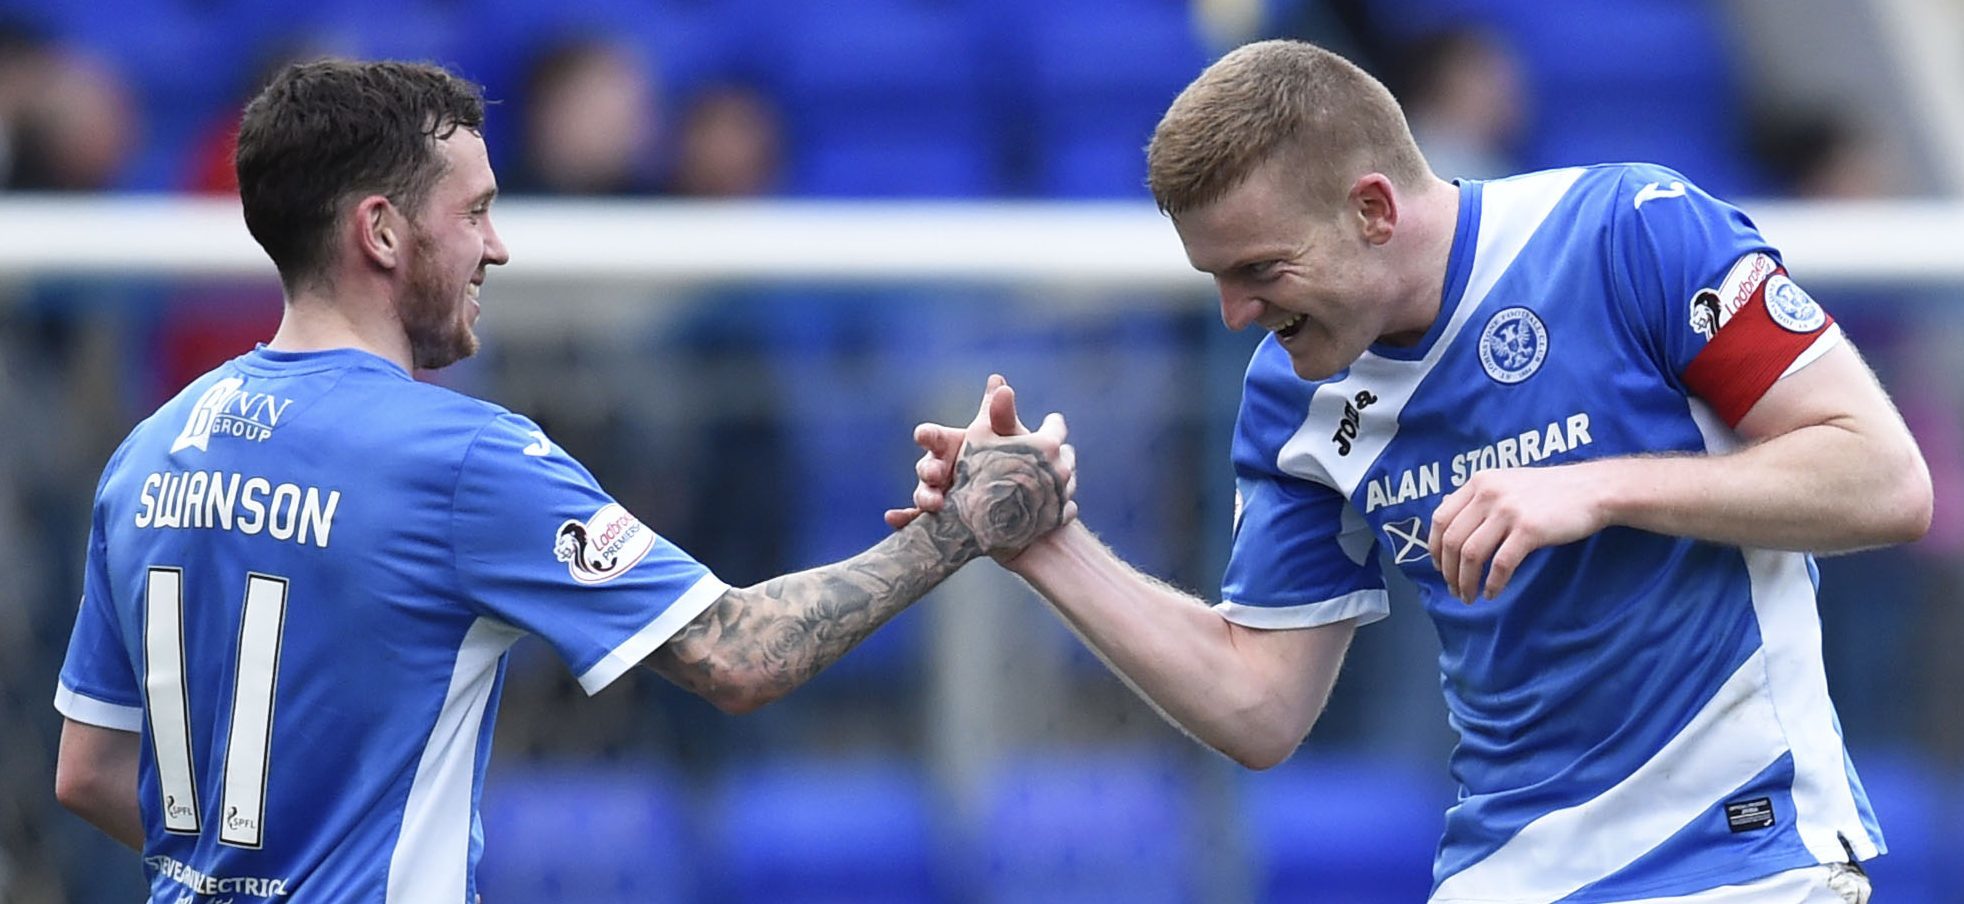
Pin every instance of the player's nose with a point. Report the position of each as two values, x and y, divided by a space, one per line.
494 246
1239 310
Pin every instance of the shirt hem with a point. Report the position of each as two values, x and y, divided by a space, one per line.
678 615
1365 606
80 707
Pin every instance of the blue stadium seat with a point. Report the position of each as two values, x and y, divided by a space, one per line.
584 833
826 832
433 30
1353 828
1653 80
1090 826
1649 80
883 98
1094 92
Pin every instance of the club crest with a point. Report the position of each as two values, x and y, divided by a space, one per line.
1513 345
1791 307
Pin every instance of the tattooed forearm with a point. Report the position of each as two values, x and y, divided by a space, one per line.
1007 495
756 644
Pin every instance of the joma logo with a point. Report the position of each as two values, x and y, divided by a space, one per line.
1352 418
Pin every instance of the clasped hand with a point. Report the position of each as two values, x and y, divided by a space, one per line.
1007 484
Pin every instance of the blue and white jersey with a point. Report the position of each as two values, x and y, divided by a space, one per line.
1639 715
303 575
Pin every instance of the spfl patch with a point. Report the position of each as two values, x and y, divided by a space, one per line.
604 547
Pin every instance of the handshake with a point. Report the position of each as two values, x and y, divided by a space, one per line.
998 486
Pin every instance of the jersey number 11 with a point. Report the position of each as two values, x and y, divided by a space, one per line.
247 746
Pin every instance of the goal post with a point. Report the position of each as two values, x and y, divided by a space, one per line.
1113 244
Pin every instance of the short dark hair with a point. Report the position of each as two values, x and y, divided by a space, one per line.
323 130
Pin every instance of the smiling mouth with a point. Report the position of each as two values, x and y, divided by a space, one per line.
1288 329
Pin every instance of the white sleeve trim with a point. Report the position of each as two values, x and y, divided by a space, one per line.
631 651
100 713
1828 339
1365 606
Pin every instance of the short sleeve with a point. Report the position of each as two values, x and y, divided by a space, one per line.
1302 556
98 684
540 546
1710 294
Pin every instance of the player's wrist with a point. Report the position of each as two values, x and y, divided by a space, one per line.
1613 495
1048 550
953 540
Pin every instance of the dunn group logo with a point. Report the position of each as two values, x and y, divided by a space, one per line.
227 409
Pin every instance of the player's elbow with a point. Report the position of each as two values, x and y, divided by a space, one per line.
1266 731
736 703
83 791
1915 504
1909 502
1899 511
742 691
70 792
1260 758
1264 750
729 686
1912 519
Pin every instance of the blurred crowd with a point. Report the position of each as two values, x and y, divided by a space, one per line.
940 98
764 428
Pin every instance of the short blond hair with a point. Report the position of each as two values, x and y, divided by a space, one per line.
1279 97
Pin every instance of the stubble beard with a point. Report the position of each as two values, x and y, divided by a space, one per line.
433 314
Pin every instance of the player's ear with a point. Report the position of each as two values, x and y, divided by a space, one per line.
380 231
1375 203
